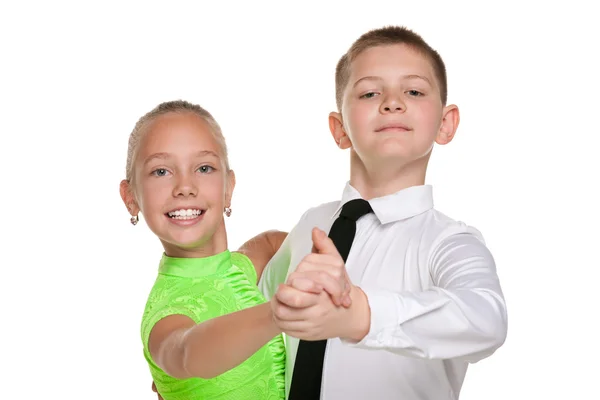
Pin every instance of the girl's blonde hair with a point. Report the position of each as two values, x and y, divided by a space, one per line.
180 106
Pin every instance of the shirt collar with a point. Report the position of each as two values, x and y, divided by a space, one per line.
403 204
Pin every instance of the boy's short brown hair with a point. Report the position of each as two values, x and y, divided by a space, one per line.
388 35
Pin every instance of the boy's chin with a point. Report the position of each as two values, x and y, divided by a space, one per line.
397 153
390 156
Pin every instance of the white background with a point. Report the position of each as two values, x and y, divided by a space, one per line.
75 78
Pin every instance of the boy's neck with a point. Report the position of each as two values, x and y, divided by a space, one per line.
383 179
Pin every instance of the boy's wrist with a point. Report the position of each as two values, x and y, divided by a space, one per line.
359 322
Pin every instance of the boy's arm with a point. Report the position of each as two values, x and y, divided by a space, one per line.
276 270
261 248
184 349
462 316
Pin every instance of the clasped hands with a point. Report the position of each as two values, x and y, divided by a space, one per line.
318 301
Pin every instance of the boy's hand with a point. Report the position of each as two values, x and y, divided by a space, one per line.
302 310
323 269
156 391
312 316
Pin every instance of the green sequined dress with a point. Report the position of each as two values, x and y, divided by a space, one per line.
205 288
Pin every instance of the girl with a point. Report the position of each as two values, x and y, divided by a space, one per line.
207 331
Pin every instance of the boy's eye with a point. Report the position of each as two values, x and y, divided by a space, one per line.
415 93
160 172
368 95
205 169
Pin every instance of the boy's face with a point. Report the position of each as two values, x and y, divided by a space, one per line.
392 109
180 184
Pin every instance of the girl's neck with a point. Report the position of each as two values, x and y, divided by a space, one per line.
215 244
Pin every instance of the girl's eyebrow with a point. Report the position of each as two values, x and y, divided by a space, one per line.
165 156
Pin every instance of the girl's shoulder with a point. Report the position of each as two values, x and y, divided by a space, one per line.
244 263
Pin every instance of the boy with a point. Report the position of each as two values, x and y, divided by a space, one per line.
425 296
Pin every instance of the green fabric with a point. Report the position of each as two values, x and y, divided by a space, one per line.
205 288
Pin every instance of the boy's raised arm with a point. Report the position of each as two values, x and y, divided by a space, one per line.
463 316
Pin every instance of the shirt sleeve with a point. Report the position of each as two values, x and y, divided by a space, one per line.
462 316
276 270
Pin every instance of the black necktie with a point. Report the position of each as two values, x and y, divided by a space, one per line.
308 368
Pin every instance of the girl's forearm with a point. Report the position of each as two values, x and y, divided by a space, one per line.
216 346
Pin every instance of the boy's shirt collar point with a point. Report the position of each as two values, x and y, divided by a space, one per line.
403 204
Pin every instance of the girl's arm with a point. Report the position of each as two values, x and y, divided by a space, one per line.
184 349
261 248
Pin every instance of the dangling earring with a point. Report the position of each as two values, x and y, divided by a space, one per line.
134 220
228 211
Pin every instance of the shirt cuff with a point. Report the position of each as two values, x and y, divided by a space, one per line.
384 317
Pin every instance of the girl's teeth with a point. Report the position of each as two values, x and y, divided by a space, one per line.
185 214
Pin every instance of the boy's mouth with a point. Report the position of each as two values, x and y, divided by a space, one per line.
393 127
185 213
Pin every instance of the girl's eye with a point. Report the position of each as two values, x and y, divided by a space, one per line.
160 172
205 169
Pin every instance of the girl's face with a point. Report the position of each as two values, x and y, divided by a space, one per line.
181 185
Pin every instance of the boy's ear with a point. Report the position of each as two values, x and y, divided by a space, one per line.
128 198
336 126
450 120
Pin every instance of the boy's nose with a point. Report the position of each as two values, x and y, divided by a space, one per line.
392 105
391 109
